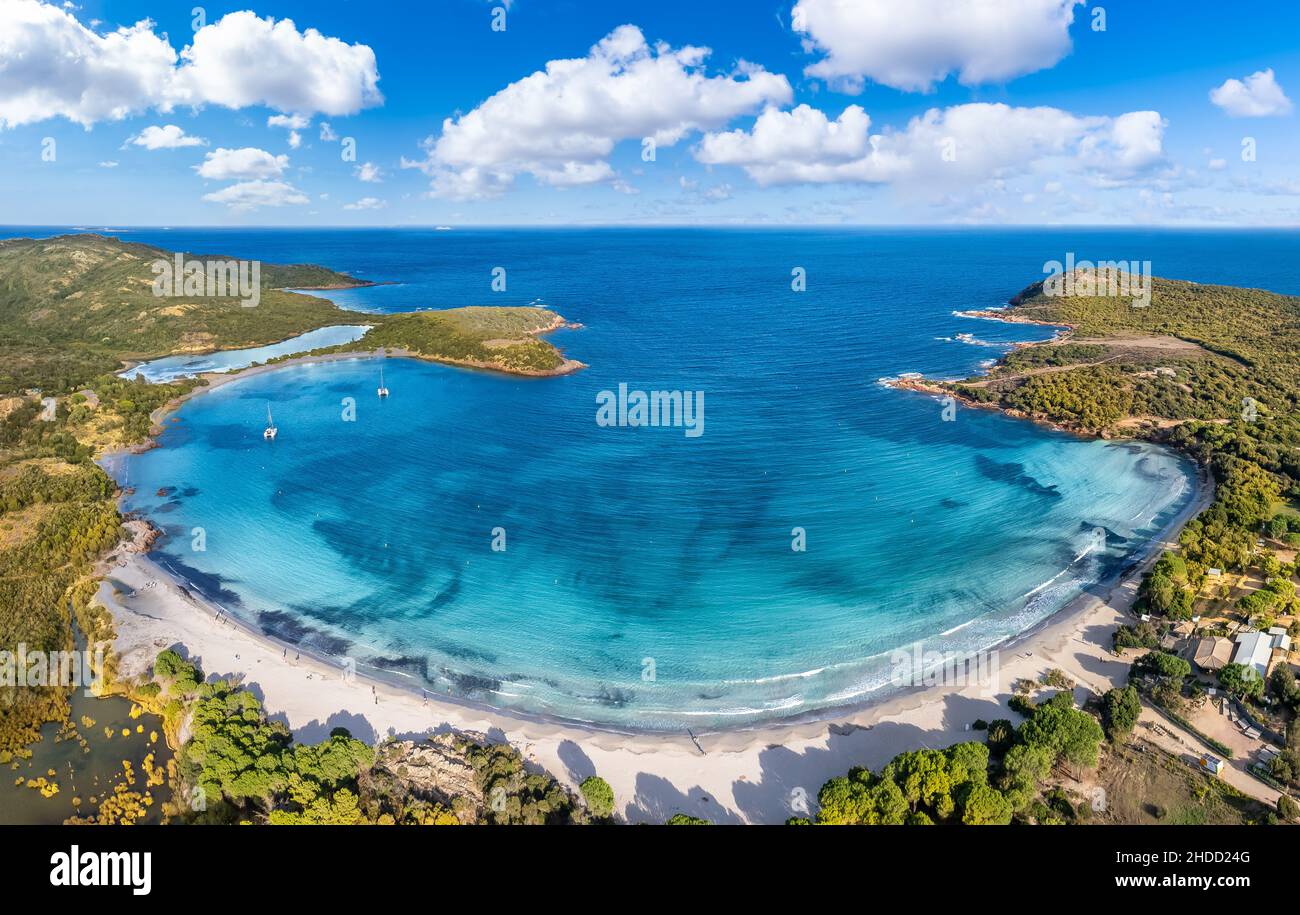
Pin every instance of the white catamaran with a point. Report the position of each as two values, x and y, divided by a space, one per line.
270 425
383 390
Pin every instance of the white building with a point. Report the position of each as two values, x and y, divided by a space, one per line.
1255 650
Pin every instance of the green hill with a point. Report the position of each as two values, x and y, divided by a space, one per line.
76 306
1214 354
504 339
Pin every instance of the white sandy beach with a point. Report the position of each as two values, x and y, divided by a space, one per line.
741 776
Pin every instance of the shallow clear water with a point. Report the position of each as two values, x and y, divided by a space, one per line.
639 551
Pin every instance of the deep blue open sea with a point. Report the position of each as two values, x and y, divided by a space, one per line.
648 578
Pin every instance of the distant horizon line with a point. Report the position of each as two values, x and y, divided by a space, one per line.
635 226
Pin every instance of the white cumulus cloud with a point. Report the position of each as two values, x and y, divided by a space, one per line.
51 65
249 162
1258 97
369 172
955 147
251 195
804 145
561 124
1126 145
166 137
243 60
914 44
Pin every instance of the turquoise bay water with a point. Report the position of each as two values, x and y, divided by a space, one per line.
372 539
170 368
639 551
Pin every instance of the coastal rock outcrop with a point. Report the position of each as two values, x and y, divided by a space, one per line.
140 536
433 770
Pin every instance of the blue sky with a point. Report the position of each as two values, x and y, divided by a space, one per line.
820 111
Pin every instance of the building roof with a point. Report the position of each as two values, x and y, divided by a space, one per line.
1254 649
1213 652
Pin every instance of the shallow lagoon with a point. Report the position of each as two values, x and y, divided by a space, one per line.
81 774
170 368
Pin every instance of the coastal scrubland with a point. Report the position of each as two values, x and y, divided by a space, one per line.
500 338
237 766
1148 786
45 583
1225 393
1062 765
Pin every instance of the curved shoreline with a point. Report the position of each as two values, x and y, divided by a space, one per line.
1200 495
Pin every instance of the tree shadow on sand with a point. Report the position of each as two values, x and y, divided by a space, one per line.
657 799
578 763
1106 673
318 731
